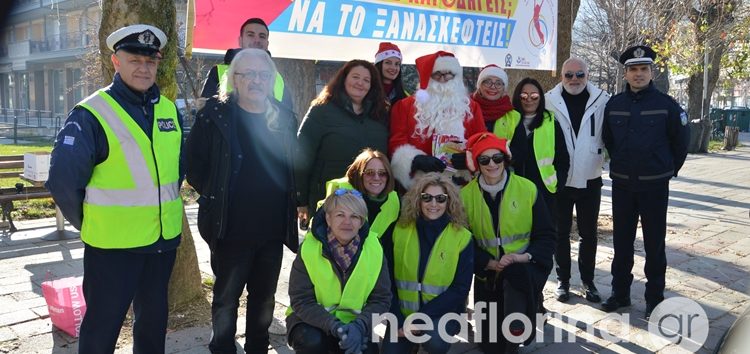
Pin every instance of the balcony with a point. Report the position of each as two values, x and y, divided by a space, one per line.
64 41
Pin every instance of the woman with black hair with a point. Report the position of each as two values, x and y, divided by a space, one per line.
388 62
544 158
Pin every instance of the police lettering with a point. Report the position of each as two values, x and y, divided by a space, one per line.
166 125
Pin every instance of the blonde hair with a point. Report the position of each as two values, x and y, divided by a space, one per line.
248 55
411 205
347 200
357 169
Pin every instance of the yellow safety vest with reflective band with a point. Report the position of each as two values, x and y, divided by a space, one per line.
133 196
515 212
223 69
544 150
506 125
440 270
388 211
346 304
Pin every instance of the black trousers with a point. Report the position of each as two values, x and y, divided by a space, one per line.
112 279
515 291
587 202
307 339
651 207
236 268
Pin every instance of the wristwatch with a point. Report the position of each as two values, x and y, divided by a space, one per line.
530 257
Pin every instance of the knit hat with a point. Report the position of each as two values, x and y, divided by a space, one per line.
481 142
387 50
492 70
428 64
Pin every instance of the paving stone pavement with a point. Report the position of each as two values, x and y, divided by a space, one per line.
708 254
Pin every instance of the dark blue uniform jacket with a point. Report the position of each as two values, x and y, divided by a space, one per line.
647 135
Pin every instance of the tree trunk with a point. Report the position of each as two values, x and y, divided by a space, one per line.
697 109
185 284
299 76
567 11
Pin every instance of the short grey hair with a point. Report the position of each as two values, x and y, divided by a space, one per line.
348 200
579 61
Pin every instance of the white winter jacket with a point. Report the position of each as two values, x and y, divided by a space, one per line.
586 149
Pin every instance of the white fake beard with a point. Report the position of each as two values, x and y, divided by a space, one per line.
445 110
572 90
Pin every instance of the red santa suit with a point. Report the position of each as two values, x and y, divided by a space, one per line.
404 143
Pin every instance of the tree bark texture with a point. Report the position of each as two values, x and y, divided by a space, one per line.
185 284
299 76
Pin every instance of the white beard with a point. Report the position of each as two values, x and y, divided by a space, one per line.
445 111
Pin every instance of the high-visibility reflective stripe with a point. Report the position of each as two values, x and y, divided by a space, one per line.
415 286
505 240
133 155
336 308
648 178
545 162
144 197
619 113
618 175
409 305
656 111
550 180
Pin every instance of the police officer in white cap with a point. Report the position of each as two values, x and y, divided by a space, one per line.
115 174
646 134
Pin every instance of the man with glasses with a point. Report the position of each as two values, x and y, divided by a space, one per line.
115 174
253 34
428 127
578 106
646 134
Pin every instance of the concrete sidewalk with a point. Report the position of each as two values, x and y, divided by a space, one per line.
708 254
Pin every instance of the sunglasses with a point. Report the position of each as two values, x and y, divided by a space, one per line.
446 75
371 173
484 160
427 197
529 97
341 191
578 74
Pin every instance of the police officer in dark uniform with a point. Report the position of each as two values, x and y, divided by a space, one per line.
115 174
646 134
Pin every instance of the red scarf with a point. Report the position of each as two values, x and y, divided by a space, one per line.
493 109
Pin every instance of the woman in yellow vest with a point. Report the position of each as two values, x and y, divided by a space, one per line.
371 175
543 158
515 241
431 256
338 281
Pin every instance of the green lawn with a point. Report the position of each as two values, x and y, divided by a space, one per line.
31 209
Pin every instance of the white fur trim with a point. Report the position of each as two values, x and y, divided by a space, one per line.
422 96
387 54
401 163
493 71
448 63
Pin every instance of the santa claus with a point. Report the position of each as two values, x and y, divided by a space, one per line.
428 127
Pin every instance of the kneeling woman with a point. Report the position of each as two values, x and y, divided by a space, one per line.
338 280
431 256
515 240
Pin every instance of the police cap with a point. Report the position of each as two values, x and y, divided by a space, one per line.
639 54
138 39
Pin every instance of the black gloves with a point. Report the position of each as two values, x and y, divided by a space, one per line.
458 160
426 163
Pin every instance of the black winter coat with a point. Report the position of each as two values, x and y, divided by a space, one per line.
208 159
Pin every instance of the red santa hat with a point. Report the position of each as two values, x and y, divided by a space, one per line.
387 50
493 70
428 64
481 142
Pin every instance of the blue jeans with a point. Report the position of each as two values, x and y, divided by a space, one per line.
112 280
257 269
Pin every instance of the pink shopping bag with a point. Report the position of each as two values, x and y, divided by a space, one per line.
65 303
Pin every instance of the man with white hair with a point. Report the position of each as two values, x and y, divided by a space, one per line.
579 108
440 111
